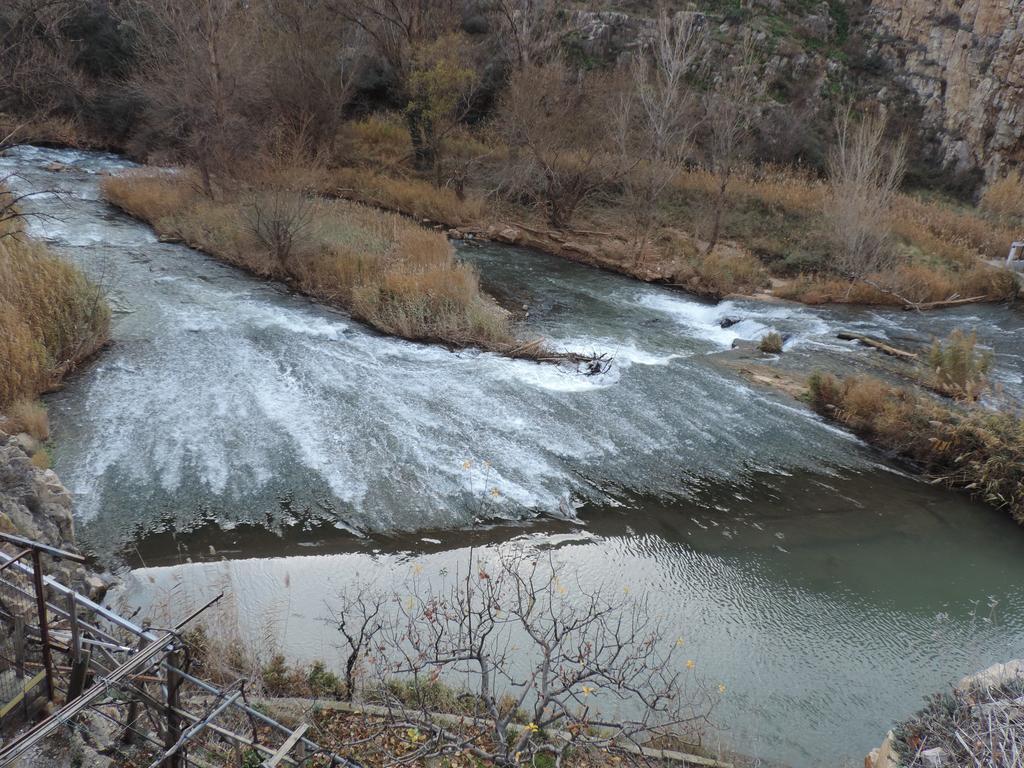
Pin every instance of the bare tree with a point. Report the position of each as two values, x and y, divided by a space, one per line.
665 100
564 137
532 29
865 173
547 661
199 75
279 220
35 70
730 108
311 69
359 619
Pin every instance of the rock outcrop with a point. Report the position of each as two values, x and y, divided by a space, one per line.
33 502
963 60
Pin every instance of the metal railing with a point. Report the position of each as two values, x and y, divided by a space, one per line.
112 664
27 675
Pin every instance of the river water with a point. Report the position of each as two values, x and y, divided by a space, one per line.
238 435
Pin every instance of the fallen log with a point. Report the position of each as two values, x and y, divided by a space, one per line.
878 344
945 303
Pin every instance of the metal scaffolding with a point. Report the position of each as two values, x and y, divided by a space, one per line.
59 646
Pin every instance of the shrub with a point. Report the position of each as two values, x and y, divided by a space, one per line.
279 221
771 343
957 367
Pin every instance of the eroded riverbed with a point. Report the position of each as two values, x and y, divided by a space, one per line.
232 419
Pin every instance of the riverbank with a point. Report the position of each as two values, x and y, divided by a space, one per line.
918 407
772 239
52 319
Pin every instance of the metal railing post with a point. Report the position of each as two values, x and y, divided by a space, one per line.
44 629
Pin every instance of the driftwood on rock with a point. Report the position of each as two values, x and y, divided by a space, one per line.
878 344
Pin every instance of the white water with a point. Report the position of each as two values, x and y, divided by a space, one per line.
222 394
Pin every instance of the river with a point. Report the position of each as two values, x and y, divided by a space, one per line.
236 434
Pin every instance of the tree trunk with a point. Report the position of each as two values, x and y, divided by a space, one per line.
716 221
420 134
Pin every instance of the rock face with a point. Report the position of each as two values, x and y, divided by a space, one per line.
959 63
33 503
964 62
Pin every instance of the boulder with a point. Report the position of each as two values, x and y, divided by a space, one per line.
995 676
883 756
509 235
27 443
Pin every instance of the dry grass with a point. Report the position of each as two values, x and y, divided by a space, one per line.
772 212
386 270
792 189
26 416
1005 196
379 140
45 130
51 317
964 447
956 367
720 273
916 283
412 197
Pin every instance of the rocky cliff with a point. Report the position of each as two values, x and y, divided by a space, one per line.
963 60
951 71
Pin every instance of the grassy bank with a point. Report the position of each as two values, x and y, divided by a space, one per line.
51 318
962 446
773 226
387 271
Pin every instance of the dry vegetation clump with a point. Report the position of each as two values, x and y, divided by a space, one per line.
771 343
1005 196
386 270
964 447
956 367
907 284
720 273
975 724
955 232
51 317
